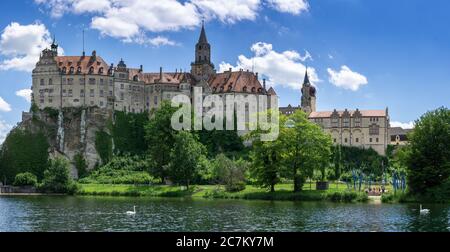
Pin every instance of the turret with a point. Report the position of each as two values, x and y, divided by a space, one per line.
308 102
202 67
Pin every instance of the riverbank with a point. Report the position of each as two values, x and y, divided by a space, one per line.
283 192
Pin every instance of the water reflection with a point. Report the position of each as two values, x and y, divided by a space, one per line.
108 214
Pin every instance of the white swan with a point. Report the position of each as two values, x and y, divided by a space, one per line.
424 210
132 212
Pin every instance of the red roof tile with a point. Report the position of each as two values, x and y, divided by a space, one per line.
82 64
365 113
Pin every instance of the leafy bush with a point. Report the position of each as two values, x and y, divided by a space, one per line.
235 187
121 170
25 179
57 178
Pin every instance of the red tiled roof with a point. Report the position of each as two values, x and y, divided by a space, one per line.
240 82
167 78
365 113
82 64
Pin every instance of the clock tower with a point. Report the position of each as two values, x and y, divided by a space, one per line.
202 68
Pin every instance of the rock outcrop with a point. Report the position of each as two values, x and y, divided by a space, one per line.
70 131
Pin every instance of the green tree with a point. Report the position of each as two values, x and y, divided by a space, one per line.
104 146
129 133
25 179
80 165
23 151
186 156
266 161
160 138
428 154
230 173
305 148
56 177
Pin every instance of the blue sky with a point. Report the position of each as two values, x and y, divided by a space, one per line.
362 54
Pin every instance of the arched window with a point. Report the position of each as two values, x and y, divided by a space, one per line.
135 78
244 89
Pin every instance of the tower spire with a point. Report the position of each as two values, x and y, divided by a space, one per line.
306 81
203 39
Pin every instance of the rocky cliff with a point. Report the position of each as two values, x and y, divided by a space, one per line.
70 132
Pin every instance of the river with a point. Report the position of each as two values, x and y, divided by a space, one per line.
64 213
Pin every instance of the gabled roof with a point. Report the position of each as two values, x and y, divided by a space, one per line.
82 64
239 82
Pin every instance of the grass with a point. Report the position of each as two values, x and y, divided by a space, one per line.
337 192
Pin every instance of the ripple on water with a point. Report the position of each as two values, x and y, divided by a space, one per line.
108 214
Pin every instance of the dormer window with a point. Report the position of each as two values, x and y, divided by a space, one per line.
79 70
259 90
100 71
91 70
221 89
253 89
230 88
135 78
71 70
244 89
64 70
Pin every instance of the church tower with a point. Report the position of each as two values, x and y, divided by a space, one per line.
202 68
308 102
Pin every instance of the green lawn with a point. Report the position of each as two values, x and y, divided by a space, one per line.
337 192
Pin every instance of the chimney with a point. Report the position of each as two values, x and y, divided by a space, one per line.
160 73
230 69
257 76
141 69
264 84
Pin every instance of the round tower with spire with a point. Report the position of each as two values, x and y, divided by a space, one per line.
202 68
308 102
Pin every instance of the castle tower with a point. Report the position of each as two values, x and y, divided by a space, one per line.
308 102
202 68
54 47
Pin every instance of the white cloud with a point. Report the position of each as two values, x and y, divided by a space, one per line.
228 11
408 125
289 6
25 94
4 106
346 78
22 45
4 130
281 68
129 19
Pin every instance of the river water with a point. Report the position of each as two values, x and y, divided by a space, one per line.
64 213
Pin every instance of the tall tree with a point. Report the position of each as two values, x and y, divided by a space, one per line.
160 138
23 151
305 148
428 157
186 157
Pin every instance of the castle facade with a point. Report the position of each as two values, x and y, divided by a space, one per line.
359 128
89 81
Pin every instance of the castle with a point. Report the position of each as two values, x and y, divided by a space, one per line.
359 128
89 81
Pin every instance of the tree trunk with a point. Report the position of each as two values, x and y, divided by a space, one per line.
297 186
272 188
